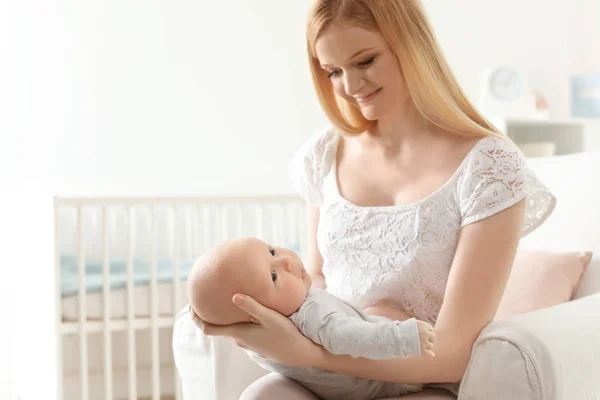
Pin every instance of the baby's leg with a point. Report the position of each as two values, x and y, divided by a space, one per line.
276 387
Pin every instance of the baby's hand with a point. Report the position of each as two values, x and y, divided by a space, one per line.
427 338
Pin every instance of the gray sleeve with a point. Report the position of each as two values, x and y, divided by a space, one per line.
349 335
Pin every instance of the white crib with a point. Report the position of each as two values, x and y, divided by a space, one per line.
120 269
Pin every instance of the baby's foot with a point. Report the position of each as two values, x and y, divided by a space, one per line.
426 338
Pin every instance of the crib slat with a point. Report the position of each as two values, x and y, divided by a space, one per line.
108 392
154 310
275 235
131 362
260 227
58 289
291 225
83 348
224 219
284 226
218 225
239 227
177 287
207 239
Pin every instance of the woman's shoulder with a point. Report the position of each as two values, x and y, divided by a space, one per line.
494 176
319 144
312 162
490 160
492 155
494 147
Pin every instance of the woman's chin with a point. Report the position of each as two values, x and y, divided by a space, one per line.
371 113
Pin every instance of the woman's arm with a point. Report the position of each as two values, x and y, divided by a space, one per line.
480 270
314 264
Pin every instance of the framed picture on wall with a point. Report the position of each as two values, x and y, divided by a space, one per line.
585 96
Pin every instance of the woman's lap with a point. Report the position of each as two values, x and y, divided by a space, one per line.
274 387
427 394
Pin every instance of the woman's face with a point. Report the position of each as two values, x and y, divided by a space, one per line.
362 70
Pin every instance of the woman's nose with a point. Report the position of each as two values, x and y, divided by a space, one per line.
353 82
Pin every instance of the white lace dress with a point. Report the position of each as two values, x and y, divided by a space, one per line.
404 253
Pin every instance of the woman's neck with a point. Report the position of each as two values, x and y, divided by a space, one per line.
400 128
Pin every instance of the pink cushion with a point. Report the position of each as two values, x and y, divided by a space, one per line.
541 279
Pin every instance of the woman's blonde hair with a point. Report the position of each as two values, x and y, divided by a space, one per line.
430 82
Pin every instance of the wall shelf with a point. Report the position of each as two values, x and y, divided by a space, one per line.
548 137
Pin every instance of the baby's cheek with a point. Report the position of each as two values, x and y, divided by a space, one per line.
297 294
289 299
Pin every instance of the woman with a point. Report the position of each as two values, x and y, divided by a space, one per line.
417 202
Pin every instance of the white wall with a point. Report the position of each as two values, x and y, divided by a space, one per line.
549 40
214 97
193 97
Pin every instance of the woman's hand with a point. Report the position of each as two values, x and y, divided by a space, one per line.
270 334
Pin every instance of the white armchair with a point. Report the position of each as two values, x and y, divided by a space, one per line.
549 354
553 353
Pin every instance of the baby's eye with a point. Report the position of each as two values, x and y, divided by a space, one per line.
272 251
274 276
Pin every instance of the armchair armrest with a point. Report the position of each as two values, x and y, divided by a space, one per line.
550 354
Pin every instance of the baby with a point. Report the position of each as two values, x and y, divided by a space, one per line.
276 278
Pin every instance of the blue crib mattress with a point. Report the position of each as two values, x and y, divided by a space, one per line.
118 273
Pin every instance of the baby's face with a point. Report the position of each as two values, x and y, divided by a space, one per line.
277 278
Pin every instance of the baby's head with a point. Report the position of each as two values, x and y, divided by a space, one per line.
274 277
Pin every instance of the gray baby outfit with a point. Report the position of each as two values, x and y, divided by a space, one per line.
342 329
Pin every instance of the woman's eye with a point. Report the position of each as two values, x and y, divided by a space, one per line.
364 63
274 276
272 251
367 62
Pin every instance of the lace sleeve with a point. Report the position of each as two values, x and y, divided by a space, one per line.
495 177
311 163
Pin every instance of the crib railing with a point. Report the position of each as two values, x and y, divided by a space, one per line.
197 221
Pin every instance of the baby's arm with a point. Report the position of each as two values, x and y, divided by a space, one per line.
380 338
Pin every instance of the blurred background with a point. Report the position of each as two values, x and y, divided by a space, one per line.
203 97
214 97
